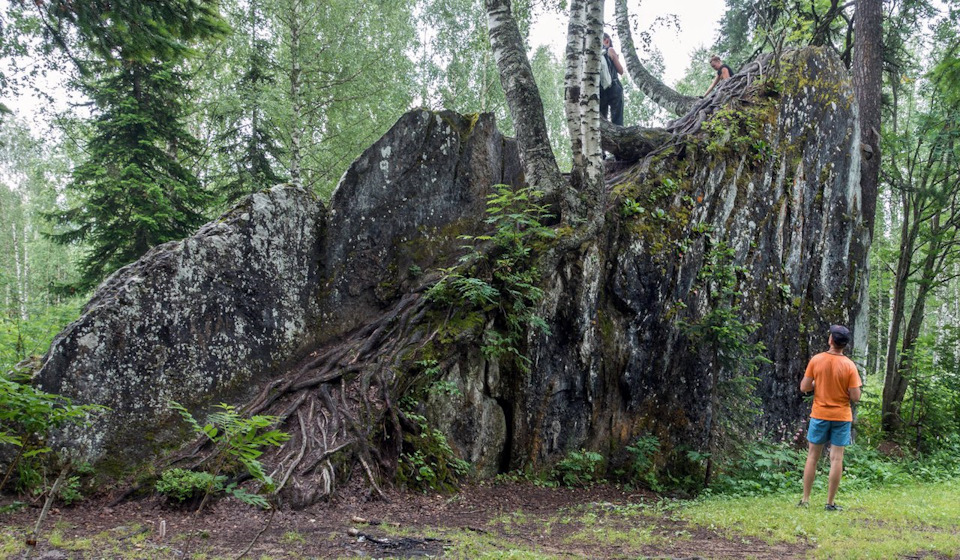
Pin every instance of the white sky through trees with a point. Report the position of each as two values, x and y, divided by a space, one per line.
698 22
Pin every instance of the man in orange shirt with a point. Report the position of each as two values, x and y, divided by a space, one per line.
835 383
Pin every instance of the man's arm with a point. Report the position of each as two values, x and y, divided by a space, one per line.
854 393
806 384
612 53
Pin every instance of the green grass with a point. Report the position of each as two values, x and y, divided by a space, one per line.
881 523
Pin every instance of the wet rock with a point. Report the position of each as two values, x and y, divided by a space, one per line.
619 363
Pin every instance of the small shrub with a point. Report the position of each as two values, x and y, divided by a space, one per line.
579 468
238 442
430 462
643 451
180 485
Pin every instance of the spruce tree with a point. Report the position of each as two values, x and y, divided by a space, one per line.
135 189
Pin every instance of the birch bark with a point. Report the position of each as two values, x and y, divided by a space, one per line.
523 98
657 91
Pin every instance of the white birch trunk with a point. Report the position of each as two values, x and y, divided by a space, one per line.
18 272
590 104
294 75
657 91
573 79
523 98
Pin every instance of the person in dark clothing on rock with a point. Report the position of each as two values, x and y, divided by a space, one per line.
723 73
611 98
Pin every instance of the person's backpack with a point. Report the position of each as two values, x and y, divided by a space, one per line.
605 78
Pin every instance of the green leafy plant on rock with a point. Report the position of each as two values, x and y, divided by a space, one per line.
499 274
428 462
238 443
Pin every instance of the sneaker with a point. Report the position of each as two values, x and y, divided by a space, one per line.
803 504
832 507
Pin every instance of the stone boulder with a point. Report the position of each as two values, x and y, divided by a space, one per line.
199 321
322 314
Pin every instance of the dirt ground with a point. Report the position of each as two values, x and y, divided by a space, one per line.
516 519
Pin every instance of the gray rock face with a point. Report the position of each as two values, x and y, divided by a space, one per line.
619 365
199 321
214 317
401 206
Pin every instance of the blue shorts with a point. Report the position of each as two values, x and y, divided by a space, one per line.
837 431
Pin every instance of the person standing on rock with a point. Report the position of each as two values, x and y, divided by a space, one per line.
723 73
835 383
611 98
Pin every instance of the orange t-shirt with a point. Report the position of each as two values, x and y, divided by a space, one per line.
832 375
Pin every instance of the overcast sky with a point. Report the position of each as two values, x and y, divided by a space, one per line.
698 19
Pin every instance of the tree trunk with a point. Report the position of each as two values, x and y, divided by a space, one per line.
592 174
582 109
867 83
896 388
294 75
631 143
893 379
657 91
523 98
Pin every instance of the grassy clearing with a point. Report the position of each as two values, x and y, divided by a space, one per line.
881 523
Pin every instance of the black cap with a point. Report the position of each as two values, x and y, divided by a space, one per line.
841 335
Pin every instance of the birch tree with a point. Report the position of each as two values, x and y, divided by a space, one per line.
651 86
581 99
925 175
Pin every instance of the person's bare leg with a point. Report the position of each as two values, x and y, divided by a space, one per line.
810 469
836 470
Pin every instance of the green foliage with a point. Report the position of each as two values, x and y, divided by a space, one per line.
238 443
761 467
579 469
27 415
642 465
181 484
498 272
28 339
739 130
428 462
134 190
135 30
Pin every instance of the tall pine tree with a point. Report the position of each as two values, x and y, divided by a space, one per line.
135 189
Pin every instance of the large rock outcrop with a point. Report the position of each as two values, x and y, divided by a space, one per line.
776 180
199 321
345 347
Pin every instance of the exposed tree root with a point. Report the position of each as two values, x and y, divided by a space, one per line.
635 143
337 406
